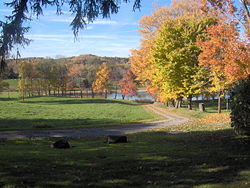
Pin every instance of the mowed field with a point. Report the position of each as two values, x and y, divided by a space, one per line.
60 112
204 154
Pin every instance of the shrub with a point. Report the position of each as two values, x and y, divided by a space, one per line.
240 114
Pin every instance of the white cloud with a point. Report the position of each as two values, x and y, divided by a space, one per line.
104 22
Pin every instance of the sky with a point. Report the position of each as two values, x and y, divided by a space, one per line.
52 35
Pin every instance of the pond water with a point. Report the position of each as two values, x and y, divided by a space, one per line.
141 95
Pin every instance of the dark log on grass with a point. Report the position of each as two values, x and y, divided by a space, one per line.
61 144
117 139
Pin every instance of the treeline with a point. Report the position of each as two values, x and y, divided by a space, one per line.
50 77
191 48
12 69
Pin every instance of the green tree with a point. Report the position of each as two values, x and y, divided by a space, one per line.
241 107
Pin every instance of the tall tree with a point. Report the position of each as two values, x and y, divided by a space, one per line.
175 55
226 55
101 83
141 59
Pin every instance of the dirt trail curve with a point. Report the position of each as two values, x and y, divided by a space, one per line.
171 120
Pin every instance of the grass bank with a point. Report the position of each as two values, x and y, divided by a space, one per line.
61 112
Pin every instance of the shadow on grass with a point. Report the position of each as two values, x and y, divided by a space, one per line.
79 101
153 159
7 99
22 124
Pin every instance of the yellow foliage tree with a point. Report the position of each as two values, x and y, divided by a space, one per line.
101 84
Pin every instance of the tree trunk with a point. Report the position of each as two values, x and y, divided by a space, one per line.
123 97
173 103
190 102
106 93
227 104
81 94
219 102
178 103
115 91
92 93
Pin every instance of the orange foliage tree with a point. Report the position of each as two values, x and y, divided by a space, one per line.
128 84
226 55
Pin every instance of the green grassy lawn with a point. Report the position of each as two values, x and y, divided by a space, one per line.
13 83
206 154
208 158
59 112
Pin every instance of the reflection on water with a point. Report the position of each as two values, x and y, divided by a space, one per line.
141 95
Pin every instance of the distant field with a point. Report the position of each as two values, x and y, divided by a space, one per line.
13 83
59 112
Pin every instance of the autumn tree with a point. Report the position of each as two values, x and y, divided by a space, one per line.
141 59
47 73
117 72
240 13
101 84
128 84
226 55
175 56
43 77
76 75
90 76
149 26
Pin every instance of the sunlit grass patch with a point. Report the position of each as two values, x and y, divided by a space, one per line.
61 112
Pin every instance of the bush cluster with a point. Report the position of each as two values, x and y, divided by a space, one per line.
240 114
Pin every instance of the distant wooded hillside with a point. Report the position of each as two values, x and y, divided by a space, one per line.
86 59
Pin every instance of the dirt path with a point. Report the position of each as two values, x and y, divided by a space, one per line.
171 120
